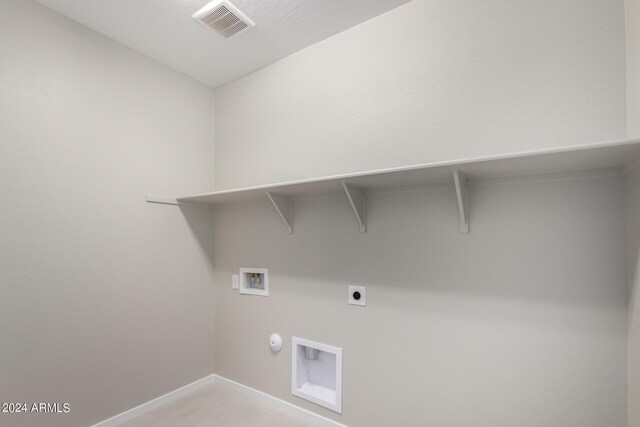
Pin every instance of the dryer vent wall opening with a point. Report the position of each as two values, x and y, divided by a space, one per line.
224 19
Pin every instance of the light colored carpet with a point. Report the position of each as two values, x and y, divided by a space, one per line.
216 406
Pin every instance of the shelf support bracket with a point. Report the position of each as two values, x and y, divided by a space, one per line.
357 201
283 206
462 191
162 200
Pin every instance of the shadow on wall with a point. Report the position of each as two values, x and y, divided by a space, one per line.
561 242
633 242
633 272
633 259
199 219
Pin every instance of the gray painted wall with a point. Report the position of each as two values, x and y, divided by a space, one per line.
105 301
431 80
506 334
633 275
633 208
523 322
633 67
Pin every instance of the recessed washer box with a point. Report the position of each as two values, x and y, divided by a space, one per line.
254 281
316 373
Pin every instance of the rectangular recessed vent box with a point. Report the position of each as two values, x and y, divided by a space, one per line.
224 19
254 281
317 373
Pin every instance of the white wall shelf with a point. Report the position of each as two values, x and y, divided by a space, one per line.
623 154
162 200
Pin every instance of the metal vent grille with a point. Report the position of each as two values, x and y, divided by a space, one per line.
224 18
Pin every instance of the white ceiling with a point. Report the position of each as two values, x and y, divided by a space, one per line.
165 30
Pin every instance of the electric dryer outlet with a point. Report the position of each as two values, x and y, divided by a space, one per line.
357 295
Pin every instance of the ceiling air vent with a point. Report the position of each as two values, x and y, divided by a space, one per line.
224 18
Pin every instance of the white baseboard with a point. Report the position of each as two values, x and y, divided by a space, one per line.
155 403
281 405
